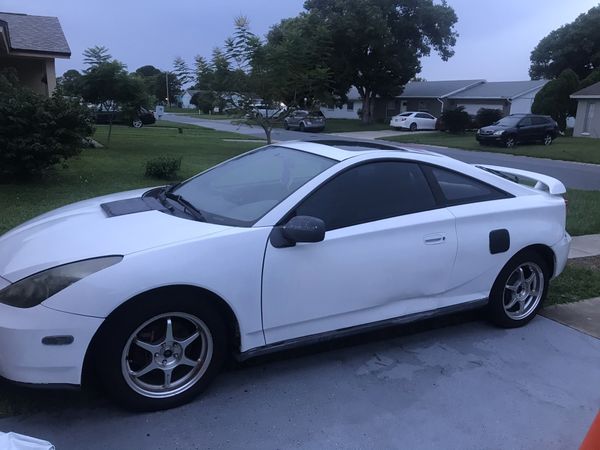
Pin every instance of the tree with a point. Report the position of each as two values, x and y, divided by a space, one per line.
147 71
37 132
70 83
96 55
110 86
488 116
574 46
182 71
554 98
204 101
377 45
456 120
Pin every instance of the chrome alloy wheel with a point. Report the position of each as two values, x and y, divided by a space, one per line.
547 139
167 355
523 291
510 142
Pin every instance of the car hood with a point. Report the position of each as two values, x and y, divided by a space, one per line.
83 230
494 128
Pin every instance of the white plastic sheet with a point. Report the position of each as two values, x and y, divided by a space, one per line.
14 441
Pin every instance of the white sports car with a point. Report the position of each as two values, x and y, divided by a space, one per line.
152 290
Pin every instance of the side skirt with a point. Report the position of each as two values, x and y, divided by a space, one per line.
345 332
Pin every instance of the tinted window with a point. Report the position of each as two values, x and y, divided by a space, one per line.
539 121
457 188
509 121
423 116
526 122
369 192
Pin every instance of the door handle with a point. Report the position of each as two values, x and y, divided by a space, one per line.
436 238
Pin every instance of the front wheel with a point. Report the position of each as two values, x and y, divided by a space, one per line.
548 139
161 353
286 125
510 142
302 127
519 291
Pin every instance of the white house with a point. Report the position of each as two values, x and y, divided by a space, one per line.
186 98
587 121
349 110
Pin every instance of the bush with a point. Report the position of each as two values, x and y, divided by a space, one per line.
163 167
456 120
488 116
37 132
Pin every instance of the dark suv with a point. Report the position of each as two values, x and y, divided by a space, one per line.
517 128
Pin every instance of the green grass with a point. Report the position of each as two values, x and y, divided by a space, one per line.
583 212
121 167
563 148
574 284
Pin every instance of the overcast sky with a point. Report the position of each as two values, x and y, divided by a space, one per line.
496 37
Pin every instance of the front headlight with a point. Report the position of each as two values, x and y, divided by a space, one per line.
33 290
498 133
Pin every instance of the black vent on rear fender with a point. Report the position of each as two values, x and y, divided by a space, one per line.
127 206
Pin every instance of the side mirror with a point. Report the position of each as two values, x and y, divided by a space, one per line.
298 229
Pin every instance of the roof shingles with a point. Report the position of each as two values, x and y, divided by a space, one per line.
35 34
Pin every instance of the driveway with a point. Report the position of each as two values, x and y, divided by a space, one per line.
573 175
462 384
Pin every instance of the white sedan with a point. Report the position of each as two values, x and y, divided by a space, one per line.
414 121
151 290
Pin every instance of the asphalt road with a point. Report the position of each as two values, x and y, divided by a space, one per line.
573 175
464 385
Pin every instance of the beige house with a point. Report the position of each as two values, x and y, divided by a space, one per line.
30 44
587 120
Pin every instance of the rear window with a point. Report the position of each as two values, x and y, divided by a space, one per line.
459 189
405 114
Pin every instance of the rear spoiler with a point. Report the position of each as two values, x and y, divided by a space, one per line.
542 182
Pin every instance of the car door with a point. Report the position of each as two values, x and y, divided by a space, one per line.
388 251
525 130
425 121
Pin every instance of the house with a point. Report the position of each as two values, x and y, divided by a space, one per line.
30 44
587 119
510 97
348 110
185 98
427 96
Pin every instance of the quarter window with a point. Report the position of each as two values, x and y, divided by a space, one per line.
458 189
370 192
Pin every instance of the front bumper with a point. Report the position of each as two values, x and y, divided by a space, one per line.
561 253
23 356
489 138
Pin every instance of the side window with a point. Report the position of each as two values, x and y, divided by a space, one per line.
422 116
525 122
369 192
458 189
539 121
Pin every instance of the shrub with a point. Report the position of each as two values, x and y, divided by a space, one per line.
37 132
456 120
488 116
163 167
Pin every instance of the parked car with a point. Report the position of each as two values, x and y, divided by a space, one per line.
305 121
413 121
286 244
519 128
143 117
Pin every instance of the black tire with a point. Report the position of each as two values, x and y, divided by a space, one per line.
510 141
500 295
548 139
286 125
301 127
413 127
137 123
118 331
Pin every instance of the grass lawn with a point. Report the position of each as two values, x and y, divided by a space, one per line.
121 167
583 212
563 148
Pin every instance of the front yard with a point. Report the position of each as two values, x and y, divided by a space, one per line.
563 148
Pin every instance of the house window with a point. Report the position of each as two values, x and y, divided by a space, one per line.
589 115
350 106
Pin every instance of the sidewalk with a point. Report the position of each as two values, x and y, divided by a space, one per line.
582 246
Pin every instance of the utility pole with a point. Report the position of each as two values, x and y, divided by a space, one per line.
167 84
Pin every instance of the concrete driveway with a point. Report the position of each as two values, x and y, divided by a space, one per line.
455 383
573 175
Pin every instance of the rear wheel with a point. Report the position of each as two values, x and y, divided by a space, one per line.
519 291
157 354
413 127
301 127
137 123
548 139
286 125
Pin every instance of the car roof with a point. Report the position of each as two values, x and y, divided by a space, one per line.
343 149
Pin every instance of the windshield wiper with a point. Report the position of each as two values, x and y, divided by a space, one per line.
187 206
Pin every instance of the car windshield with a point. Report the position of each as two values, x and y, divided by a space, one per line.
508 121
242 190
